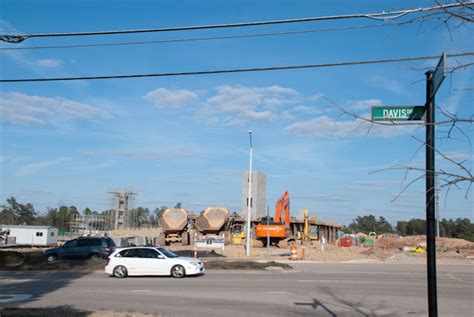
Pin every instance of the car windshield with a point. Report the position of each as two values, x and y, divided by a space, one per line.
167 253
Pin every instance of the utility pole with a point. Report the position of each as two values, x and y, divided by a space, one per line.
268 231
430 196
437 206
249 201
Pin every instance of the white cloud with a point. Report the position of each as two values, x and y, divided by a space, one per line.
236 105
327 127
365 104
49 63
171 98
286 115
34 168
275 89
305 109
27 109
155 155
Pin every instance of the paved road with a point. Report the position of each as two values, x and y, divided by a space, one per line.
308 290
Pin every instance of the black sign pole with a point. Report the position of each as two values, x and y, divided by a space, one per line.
430 197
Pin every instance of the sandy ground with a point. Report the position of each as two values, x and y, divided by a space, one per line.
385 249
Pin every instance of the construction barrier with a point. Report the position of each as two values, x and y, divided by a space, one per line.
345 242
294 253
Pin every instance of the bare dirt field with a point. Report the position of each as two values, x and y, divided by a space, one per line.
385 249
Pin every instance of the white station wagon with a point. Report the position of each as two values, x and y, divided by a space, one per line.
136 261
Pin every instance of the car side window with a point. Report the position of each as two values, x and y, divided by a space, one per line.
142 253
152 254
88 242
70 244
130 253
110 243
146 253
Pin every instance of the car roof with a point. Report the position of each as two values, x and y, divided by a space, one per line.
143 247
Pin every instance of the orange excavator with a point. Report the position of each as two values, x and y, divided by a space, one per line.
278 228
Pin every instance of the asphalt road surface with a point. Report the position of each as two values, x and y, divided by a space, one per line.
307 290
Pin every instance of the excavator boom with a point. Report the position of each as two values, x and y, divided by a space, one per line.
283 205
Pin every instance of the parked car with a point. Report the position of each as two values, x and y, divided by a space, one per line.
151 261
82 248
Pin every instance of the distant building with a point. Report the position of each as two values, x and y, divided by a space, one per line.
32 235
258 204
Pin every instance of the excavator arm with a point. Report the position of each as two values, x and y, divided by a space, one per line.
283 206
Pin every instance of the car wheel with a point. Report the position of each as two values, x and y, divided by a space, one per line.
120 271
94 257
52 258
178 271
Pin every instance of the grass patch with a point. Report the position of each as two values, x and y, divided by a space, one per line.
27 261
11 258
65 311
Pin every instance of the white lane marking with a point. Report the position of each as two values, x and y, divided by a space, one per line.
307 281
346 281
141 290
9 298
275 292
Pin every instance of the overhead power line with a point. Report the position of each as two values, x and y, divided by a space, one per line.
196 39
385 16
240 70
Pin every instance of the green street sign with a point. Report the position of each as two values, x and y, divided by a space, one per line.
398 113
439 75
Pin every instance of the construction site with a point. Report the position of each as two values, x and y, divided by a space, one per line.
217 232
178 226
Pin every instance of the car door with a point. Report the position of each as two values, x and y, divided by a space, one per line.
168 260
129 259
149 261
69 250
162 264
83 246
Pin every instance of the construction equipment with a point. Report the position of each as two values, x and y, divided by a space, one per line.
418 249
213 221
309 232
237 233
174 223
278 228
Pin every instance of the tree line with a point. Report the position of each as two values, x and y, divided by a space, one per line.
15 213
461 228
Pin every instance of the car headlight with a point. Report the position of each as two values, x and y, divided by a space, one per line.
195 263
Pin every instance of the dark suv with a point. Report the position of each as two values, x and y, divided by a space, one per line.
82 248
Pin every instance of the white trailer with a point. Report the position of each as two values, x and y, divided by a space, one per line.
34 235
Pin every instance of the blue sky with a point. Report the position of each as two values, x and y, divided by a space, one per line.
184 139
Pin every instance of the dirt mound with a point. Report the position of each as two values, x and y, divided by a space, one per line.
243 265
200 254
17 259
12 260
441 243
